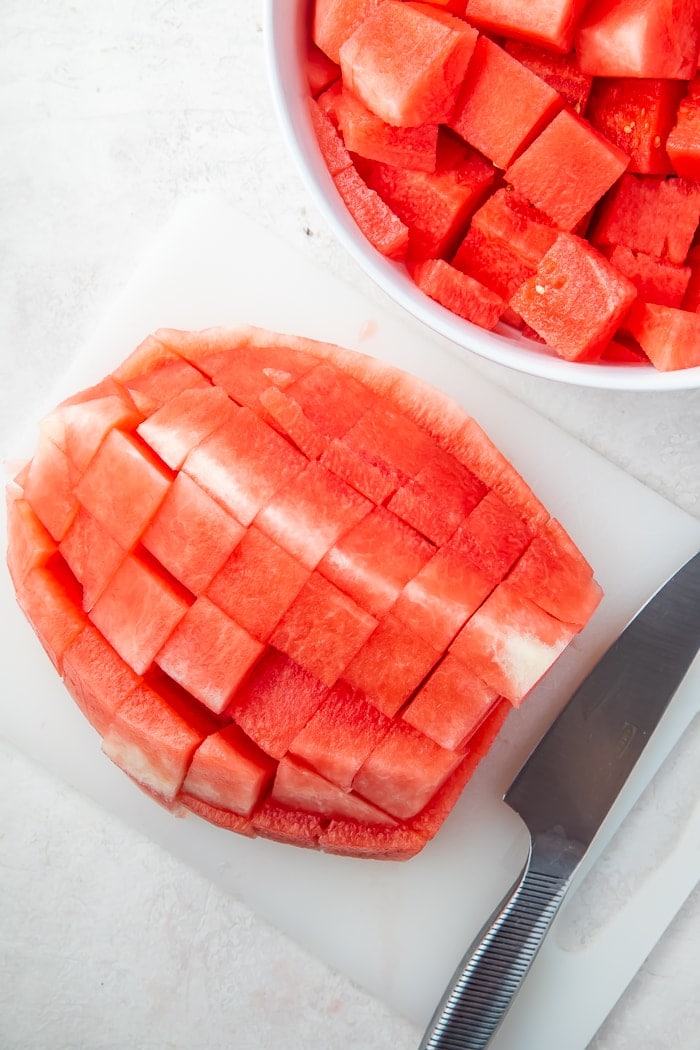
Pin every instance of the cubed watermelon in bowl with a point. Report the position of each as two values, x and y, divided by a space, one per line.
560 172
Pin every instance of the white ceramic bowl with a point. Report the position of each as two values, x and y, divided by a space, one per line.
285 30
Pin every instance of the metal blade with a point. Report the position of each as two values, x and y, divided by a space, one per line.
576 772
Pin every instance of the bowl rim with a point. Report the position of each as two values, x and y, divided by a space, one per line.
284 38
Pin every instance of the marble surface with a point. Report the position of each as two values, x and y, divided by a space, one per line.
109 115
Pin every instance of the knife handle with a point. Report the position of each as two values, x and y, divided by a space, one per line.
490 974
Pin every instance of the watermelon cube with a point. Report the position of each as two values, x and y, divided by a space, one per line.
209 654
405 770
438 498
451 705
51 600
382 228
85 536
554 574
29 544
299 787
323 629
256 566
560 71
435 206
510 642
691 299
493 537
123 486
505 242
287 416
502 105
152 737
191 535
576 299
333 21
243 463
96 676
567 169
333 149
637 115
333 403
228 771
49 490
354 468
459 292
407 61
352 566
367 135
654 215
391 441
340 735
442 596
137 611
656 280
185 420
153 374
321 71
275 702
669 336
83 425
391 665
550 23
311 513
683 141
639 38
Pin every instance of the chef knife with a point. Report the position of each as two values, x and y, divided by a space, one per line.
563 793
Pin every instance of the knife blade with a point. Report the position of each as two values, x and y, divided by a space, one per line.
563 793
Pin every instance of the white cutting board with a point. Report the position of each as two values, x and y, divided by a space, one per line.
399 929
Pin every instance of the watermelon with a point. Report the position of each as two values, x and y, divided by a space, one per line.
318 649
406 62
639 38
637 116
548 22
496 83
571 117
683 140
576 299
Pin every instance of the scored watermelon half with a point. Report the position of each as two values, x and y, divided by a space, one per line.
295 590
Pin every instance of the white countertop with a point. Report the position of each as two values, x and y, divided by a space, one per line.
110 114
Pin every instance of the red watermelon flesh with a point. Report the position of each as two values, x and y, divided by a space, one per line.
683 141
318 678
654 215
576 300
637 115
567 169
670 337
406 62
656 280
367 135
559 127
639 38
549 22
435 206
502 105
560 71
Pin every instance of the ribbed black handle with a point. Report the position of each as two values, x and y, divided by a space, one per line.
494 968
